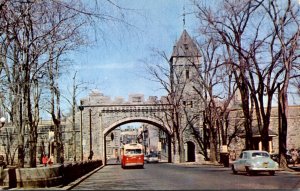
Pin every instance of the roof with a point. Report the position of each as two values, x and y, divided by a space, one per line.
255 133
185 46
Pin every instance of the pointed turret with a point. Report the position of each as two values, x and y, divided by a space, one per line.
185 47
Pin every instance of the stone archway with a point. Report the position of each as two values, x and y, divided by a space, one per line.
107 131
190 152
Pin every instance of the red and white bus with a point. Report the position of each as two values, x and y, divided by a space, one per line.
132 155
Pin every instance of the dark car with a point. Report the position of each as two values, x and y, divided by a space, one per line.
275 157
152 158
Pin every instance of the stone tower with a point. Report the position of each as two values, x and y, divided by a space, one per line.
185 60
185 76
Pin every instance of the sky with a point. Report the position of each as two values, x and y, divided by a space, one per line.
114 64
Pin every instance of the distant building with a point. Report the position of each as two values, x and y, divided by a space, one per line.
119 137
113 142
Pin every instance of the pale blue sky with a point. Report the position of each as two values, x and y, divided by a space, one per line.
113 66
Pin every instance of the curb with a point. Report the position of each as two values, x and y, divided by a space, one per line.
79 180
62 187
289 170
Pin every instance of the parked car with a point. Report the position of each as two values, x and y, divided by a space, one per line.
152 158
275 157
254 161
145 158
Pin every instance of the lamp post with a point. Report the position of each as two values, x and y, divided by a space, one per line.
91 146
50 140
81 149
145 137
2 120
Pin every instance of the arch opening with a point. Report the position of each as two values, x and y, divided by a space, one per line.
190 152
134 130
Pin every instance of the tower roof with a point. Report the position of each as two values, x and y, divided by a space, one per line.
185 46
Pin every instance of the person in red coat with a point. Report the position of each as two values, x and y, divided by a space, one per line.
45 160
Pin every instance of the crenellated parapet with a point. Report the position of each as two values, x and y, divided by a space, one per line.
98 98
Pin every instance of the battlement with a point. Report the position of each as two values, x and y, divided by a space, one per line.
98 98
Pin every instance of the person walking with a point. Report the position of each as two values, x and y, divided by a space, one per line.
50 160
118 159
45 160
294 154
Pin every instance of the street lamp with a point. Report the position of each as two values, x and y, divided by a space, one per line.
2 120
91 146
145 137
50 140
81 149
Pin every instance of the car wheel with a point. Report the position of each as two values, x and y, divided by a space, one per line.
272 173
249 172
233 170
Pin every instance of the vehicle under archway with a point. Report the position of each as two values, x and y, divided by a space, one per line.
152 137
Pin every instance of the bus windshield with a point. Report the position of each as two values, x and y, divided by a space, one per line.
133 151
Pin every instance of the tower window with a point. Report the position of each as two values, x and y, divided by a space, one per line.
186 46
187 74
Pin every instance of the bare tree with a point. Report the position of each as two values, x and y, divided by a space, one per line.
256 51
176 76
227 24
35 36
77 88
165 75
284 18
216 94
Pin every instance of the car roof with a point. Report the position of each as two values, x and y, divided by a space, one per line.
254 151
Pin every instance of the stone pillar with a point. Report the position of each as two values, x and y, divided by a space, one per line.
185 152
260 146
175 156
270 146
102 140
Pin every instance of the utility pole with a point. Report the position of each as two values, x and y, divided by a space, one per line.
81 149
91 146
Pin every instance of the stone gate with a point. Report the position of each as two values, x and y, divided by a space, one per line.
98 116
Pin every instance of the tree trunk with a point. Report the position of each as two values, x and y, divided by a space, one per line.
282 128
213 145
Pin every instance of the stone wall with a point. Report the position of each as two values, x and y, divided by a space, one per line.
293 134
50 176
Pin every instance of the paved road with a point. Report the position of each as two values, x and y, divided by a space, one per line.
165 176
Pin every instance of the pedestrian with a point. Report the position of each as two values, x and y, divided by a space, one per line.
62 159
2 163
91 155
294 154
118 159
45 160
50 160
232 155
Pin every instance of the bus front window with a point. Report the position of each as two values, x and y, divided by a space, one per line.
133 151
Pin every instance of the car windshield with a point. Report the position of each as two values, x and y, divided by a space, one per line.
260 154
